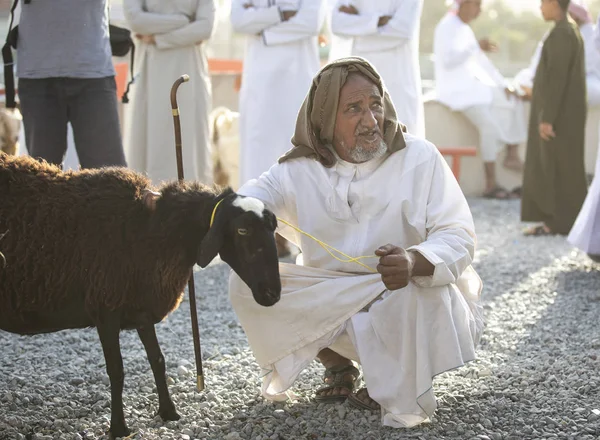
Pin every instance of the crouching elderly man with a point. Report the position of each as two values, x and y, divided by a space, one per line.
408 310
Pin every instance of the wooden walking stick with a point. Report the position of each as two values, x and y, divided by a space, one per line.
191 288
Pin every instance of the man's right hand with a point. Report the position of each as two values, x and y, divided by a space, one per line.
348 10
288 14
487 46
527 93
384 20
546 131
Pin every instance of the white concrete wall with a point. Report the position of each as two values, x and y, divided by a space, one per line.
446 128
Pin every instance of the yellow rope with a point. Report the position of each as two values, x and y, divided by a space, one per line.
327 247
212 217
324 245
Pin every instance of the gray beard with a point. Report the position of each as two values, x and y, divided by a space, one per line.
360 154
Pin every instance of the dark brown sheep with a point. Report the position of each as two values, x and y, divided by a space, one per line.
102 248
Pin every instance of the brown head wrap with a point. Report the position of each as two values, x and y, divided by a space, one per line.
316 119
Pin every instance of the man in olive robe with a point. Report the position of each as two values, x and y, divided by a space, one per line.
554 182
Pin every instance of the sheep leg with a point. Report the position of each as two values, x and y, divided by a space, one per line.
166 408
108 330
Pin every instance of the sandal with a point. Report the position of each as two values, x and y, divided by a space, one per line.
496 193
538 231
335 377
357 403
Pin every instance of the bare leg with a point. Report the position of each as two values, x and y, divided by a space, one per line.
108 330
330 358
166 409
490 175
512 160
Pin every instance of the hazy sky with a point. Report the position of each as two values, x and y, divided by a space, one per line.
519 5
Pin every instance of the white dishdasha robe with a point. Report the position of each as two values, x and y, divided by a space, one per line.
409 198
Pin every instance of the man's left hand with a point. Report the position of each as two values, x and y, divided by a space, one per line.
383 20
286 15
395 266
348 9
148 39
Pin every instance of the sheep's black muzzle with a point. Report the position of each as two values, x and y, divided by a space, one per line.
267 294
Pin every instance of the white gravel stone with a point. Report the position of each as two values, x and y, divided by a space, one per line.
537 374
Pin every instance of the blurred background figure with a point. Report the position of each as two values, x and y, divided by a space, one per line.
554 181
281 57
585 233
581 15
467 81
386 33
171 40
66 74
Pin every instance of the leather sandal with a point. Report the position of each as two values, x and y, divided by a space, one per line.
354 401
336 377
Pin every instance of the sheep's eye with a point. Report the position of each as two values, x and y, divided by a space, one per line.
242 231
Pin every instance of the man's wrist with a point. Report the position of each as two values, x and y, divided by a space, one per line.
411 262
419 266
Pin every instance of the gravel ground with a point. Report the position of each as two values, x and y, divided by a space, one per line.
537 376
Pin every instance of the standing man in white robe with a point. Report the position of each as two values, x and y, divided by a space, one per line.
585 233
171 40
386 33
405 312
467 81
282 56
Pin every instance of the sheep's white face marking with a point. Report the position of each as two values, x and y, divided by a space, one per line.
250 204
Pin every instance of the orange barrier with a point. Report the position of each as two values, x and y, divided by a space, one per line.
220 66
456 153
216 66
122 70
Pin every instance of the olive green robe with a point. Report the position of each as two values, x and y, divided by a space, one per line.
554 182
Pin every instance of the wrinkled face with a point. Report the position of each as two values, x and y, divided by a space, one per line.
243 234
358 133
470 9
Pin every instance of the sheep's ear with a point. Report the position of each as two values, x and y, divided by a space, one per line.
211 244
150 197
271 219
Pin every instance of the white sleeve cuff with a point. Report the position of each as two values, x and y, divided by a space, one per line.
441 274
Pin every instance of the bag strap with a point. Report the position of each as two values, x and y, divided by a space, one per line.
125 98
7 58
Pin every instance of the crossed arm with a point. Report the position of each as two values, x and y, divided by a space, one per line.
377 31
168 31
278 25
